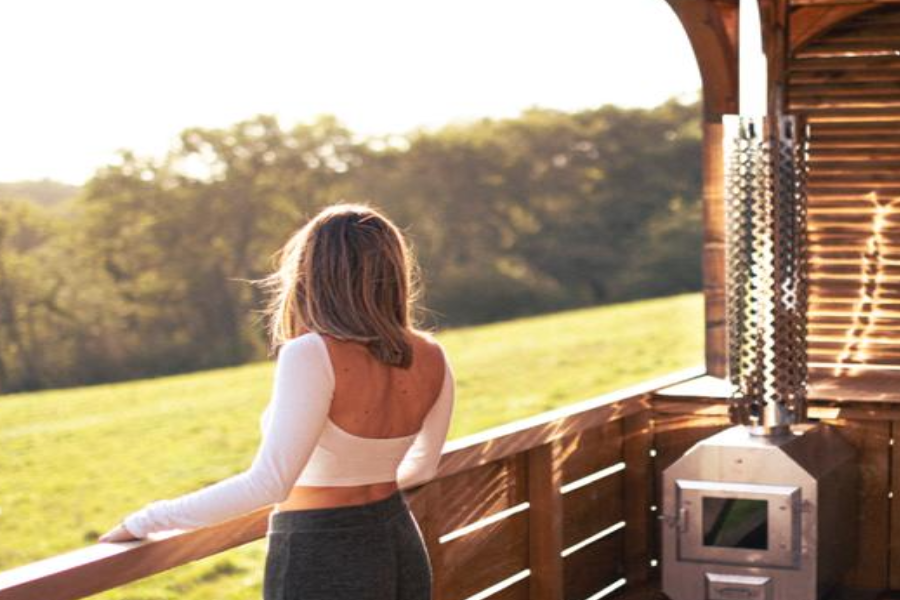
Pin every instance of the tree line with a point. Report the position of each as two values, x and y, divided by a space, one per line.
145 271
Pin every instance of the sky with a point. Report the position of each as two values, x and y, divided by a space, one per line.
83 79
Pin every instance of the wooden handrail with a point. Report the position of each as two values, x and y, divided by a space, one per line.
101 567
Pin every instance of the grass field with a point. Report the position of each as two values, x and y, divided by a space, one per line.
73 462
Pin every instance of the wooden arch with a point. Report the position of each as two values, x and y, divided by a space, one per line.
788 26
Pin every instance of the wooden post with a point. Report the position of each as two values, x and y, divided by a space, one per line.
712 28
545 531
716 347
637 490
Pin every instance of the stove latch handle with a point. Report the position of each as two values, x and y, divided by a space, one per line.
678 521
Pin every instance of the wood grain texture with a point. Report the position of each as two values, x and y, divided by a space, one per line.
637 497
894 501
545 520
484 557
711 28
469 496
872 441
716 346
588 451
592 508
593 567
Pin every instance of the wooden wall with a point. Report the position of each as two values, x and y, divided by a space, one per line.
543 507
846 81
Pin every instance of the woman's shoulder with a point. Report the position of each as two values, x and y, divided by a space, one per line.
424 337
306 342
429 344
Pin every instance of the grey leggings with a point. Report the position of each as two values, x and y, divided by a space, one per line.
372 551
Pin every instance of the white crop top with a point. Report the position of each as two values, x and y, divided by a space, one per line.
301 446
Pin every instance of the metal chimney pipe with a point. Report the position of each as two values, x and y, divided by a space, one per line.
766 271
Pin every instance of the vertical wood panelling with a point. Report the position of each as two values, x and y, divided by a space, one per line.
846 82
593 567
714 249
545 522
894 541
587 451
637 496
711 28
872 442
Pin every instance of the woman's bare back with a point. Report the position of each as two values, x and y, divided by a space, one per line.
374 400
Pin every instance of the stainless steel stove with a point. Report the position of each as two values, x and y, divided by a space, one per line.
759 517
764 510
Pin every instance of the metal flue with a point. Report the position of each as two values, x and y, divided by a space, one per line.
766 271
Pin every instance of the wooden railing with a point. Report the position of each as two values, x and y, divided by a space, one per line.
555 506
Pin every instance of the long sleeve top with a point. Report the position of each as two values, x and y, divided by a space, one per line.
298 436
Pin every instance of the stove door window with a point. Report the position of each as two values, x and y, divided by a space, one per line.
735 523
740 523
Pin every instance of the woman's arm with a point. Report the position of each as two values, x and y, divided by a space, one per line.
421 460
301 398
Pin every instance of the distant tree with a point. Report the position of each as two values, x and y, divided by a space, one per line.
144 271
45 192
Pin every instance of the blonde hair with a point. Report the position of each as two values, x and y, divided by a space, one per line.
350 273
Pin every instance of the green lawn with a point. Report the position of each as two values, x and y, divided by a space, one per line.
73 462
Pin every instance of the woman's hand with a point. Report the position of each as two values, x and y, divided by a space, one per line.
117 534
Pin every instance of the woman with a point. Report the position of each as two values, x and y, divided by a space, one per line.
360 408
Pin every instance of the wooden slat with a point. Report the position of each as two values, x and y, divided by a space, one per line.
872 441
871 389
637 497
516 591
849 115
871 359
844 76
592 508
887 88
545 533
886 35
593 567
827 326
852 154
820 166
484 557
847 190
590 450
838 50
472 495
848 64
894 538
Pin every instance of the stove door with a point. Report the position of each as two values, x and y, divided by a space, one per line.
738 523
